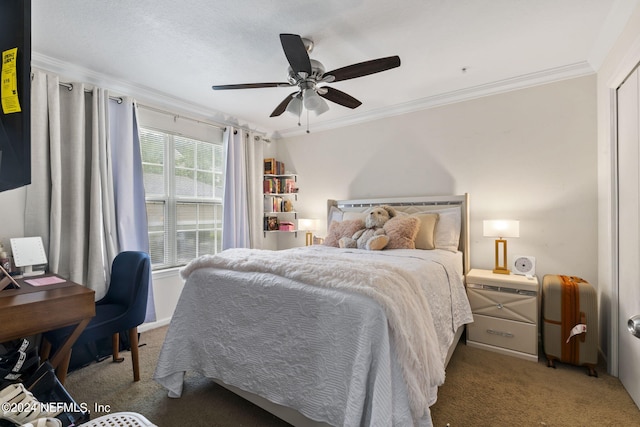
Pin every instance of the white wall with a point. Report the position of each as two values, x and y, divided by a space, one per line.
528 154
167 286
12 205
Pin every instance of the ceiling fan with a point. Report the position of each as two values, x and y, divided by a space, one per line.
309 75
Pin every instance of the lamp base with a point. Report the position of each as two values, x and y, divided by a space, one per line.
501 267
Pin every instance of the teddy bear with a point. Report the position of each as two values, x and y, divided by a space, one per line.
372 237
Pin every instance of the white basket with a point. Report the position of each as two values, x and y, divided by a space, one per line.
119 419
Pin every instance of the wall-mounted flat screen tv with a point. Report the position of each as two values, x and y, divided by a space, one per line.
15 94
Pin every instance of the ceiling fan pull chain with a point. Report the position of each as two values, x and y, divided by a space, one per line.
308 121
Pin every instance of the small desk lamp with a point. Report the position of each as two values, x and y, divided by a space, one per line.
501 228
308 225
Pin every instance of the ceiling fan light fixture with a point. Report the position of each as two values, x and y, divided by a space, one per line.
311 99
323 107
295 106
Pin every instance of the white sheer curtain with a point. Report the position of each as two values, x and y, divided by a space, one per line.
128 184
83 148
242 201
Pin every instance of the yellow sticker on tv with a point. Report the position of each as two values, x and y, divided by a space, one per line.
9 86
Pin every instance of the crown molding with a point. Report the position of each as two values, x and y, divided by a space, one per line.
141 93
613 26
155 98
515 83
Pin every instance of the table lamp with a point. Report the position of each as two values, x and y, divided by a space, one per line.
501 228
308 225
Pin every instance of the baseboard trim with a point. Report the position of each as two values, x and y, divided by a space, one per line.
154 325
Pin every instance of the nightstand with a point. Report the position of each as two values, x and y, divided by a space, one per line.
505 313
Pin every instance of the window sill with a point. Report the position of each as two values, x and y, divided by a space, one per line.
166 272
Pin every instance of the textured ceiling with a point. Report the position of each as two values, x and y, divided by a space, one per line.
171 52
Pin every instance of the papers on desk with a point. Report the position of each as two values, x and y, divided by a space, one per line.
43 281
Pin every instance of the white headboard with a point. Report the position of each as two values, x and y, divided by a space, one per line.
410 204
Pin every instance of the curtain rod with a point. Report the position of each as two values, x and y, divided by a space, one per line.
217 125
70 87
259 137
169 113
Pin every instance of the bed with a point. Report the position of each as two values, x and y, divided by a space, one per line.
322 335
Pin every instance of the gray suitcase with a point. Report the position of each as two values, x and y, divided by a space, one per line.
570 321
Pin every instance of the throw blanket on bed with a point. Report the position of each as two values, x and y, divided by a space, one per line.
398 292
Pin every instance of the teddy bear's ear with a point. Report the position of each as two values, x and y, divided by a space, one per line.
392 211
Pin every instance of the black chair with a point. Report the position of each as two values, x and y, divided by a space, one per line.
122 309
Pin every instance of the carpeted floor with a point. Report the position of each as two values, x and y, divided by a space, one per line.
482 389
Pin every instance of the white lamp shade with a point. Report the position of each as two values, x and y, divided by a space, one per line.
322 107
307 224
314 102
295 106
501 228
311 99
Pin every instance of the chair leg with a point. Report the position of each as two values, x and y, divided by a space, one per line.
133 339
63 367
61 372
115 348
45 349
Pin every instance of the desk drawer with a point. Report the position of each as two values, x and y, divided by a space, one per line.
511 306
503 333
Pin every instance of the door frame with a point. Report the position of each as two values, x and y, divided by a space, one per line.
628 64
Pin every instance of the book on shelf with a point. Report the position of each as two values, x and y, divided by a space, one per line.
269 166
279 185
271 223
277 204
272 203
268 186
273 167
290 185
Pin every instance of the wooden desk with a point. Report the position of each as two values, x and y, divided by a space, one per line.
33 310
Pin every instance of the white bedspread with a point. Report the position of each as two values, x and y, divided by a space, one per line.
290 343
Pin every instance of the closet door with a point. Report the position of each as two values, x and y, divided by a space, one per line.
629 231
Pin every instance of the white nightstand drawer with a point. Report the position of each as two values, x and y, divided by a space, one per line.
504 333
506 305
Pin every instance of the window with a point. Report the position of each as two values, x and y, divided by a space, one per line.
183 179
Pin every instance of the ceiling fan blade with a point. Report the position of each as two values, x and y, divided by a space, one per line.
296 53
365 68
250 86
282 107
339 97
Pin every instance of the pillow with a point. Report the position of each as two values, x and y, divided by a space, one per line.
446 234
425 237
351 215
340 229
402 231
335 214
